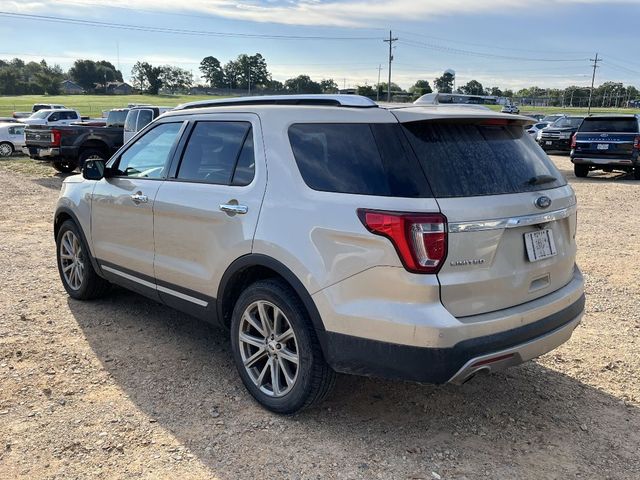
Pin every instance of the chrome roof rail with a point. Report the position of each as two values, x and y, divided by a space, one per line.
354 101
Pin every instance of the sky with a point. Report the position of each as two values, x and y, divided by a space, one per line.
505 43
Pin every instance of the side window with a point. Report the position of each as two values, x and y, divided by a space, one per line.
72 115
54 117
144 119
130 121
148 156
246 166
212 151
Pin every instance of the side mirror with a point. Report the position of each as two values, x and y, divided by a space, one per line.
94 170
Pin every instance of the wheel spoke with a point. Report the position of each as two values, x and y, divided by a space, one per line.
260 380
249 362
258 326
285 370
277 319
251 340
264 319
288 355
275 376
67 268
286 335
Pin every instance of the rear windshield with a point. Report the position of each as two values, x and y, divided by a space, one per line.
365 159
117 117
615 125
464 159
567 122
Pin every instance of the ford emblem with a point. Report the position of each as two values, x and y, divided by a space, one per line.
543 202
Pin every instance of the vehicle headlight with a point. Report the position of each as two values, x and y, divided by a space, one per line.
565 136
539 135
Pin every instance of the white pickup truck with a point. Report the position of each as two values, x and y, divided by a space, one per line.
52 117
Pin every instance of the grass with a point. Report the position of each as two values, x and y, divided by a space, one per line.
91 105
524 109
26 166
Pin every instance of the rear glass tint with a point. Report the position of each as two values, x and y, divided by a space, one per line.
611 125
567 122
464 159
366 159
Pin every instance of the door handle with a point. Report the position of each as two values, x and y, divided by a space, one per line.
234 208
138 198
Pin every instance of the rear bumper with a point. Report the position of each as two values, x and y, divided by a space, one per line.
41 153
457 364
555 144
604 161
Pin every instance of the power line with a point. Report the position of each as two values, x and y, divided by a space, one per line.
459 51
174 31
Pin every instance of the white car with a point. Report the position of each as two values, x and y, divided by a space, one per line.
52 117
139 117
535 128
510 109
11 138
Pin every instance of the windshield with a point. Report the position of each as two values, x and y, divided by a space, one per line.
551 118
117 118
40 114
568 122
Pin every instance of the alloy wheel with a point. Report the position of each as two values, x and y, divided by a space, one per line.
72 260
269 348
5 150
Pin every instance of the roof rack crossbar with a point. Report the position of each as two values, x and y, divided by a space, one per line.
353 101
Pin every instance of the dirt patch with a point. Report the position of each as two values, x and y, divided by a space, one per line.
126 388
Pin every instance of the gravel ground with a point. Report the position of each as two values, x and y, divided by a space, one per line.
126 388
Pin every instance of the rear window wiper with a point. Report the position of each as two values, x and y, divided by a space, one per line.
541 179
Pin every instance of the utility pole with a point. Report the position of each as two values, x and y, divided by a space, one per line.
593 78
390 40
378 85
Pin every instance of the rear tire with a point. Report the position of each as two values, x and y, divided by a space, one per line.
636 173
581 170
6 149
78 277
64 166
276 350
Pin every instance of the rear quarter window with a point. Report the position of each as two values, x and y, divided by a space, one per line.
364 159
462 158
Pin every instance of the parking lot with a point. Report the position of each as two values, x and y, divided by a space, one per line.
126 388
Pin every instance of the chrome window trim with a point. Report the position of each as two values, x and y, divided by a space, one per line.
512 222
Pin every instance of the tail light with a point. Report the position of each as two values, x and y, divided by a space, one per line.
573 140
55 138
636 142
419 239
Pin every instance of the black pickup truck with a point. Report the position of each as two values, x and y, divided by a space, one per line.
557 136
607 142
68 147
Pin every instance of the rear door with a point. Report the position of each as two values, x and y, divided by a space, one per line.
205 215
511 215
606 137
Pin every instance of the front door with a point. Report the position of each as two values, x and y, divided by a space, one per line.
122 206
206 215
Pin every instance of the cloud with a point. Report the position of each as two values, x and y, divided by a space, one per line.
330 13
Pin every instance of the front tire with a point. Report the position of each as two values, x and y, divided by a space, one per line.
580 170
276 349
91 154
64 166
6 149
78 277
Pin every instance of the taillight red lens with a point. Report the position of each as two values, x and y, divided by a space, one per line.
636 142
55 138
573 140
419 239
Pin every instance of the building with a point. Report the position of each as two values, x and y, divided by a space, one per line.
69 87
119 88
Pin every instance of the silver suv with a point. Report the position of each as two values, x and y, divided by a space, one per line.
329 234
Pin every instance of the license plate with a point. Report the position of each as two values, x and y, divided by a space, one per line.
540 245
548 142
603 146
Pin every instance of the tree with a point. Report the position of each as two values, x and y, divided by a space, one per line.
275 85
366 90
175 79
247 70
473 87
302 84
88 73
395 88
212 72
421 87
508 93
49 78
496 92
444 84
328 86
147 77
